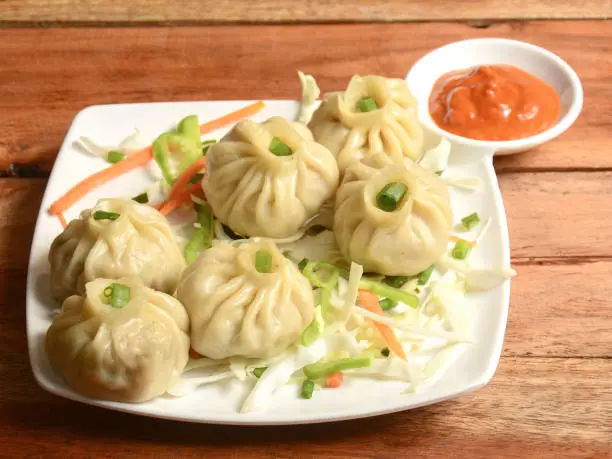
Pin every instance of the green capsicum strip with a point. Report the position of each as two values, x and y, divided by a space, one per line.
202 236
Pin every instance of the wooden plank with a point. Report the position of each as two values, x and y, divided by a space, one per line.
559 307
48 75
294 11
536 407
558 214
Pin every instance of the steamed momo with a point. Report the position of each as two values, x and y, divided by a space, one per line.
236 310
129 354
350 134
257 193
138 243
405 241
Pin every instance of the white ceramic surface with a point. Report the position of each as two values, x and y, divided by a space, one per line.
487 51
218 403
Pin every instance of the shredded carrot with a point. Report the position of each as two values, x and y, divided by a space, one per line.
454 238
186 176
193 354
62 220
369 301
232 117
171 204
135 160
334 380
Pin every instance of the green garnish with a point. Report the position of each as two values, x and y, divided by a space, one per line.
380 289
385 352
117 295
323 369
142 198
396 281
470 221
202 236
263 261
114 157
321 274
390 196
367 104
387 303
314 329
461 249
196 178
103 215
307 389
302 264
425 275
257 372
280 148
206 145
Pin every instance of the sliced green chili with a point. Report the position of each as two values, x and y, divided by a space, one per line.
114 157
367 104
280 148
307 389
390 196
263 261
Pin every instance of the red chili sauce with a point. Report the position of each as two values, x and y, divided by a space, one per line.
493 102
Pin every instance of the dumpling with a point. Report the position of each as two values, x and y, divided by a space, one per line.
258 193
236 310
344 125
132 240
129 353
404 241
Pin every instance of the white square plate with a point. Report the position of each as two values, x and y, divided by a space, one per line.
219 403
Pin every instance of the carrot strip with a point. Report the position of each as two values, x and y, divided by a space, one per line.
454 238
186 176
232 117
193 354
62 220
334 380
369 301
170 205
135 160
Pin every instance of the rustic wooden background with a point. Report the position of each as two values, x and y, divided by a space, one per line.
552 394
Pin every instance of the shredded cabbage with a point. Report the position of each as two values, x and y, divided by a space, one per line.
436 158
127 146
466 183
310 94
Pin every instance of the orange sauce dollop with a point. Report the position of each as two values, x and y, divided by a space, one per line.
493 102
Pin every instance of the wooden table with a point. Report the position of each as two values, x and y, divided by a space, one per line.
552 393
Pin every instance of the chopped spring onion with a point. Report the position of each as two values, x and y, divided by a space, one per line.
257 372
390 196
307 389
461 249
206 145
117 295
323 369
470 221
313 331
367 104
142 198
103 215
385 352
396 281
280 148
380 289
387 304
321 274
263 261
114 156
425 275
196 178
302 264
203 234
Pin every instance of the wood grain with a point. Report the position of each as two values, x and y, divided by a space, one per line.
535 407
293 11
559 310
48 75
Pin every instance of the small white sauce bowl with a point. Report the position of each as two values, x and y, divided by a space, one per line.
490 51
